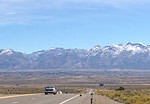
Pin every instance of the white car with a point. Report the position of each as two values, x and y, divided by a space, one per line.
50 90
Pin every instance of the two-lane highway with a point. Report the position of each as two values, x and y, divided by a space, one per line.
57 99
37 99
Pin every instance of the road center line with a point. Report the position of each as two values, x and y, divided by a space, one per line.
90 91
69 99
15 102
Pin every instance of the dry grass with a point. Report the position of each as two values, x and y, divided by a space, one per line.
20 90
128 96
31 90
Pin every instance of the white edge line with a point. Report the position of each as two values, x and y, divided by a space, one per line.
69 99
13 96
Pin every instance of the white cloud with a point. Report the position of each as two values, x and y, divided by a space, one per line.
34 4
10 10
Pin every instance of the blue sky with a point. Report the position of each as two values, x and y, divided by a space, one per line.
33 25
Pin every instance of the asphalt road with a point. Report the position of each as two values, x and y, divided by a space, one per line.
37 99
56 99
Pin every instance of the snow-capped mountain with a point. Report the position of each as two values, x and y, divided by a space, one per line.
122 56
10 59
7 51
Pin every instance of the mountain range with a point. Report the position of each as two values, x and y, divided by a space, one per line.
120 56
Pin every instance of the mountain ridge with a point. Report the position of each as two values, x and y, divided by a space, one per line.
121 56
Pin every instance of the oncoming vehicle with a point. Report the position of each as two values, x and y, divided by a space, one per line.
50 90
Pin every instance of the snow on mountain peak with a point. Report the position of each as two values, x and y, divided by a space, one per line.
97 47
113 49
136 47
133 47
6 51
141 45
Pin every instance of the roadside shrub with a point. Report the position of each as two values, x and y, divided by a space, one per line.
120 88
128 97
